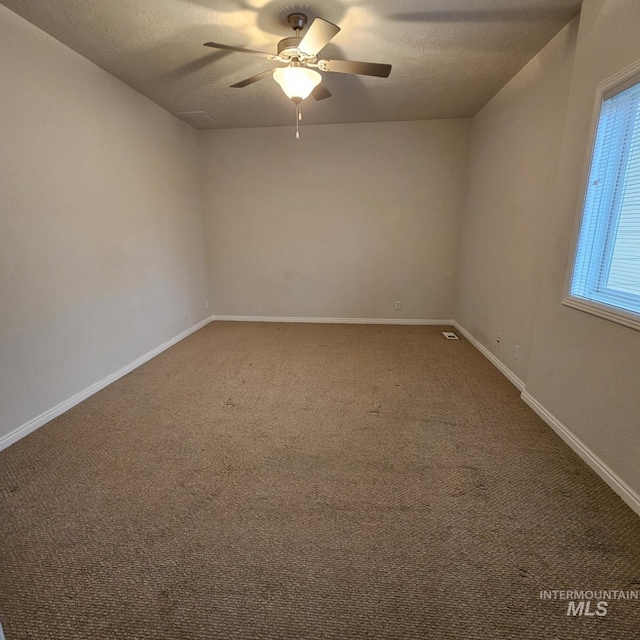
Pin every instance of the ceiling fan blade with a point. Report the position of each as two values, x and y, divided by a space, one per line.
228 47
359 68
321 92
317 36
252 79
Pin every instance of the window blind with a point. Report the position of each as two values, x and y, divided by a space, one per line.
607 263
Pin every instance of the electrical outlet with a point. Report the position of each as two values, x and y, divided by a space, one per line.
206 304
398 306
516 351
499 338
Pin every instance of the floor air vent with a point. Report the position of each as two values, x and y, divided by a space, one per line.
449 335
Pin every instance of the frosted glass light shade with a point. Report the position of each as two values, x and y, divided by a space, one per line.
297 82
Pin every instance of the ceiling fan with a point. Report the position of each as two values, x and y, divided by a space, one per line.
299 77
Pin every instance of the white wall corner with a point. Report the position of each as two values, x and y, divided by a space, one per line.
630 497
59 409
512 377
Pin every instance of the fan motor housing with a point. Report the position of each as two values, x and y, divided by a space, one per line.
288 47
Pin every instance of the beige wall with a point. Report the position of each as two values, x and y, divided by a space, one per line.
584 369
528 153
342 223
101 250
515 145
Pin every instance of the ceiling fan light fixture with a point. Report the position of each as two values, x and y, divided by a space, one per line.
297 82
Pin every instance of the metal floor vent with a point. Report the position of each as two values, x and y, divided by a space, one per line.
449 335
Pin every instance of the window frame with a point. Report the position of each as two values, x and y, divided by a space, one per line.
600 309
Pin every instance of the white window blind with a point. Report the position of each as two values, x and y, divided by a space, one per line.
607 263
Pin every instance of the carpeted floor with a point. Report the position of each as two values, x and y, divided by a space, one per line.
290 482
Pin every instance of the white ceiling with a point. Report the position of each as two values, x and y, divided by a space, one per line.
449 57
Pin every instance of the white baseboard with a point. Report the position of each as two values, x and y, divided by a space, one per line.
604 471
45 417
513 378
404 321
627 494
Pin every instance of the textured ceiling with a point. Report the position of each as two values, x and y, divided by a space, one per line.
449 57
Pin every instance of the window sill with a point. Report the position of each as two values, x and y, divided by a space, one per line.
628 319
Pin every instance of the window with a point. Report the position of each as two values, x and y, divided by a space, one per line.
605 278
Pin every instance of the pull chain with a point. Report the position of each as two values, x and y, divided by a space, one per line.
298 118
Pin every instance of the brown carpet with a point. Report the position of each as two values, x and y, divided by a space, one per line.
282 481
